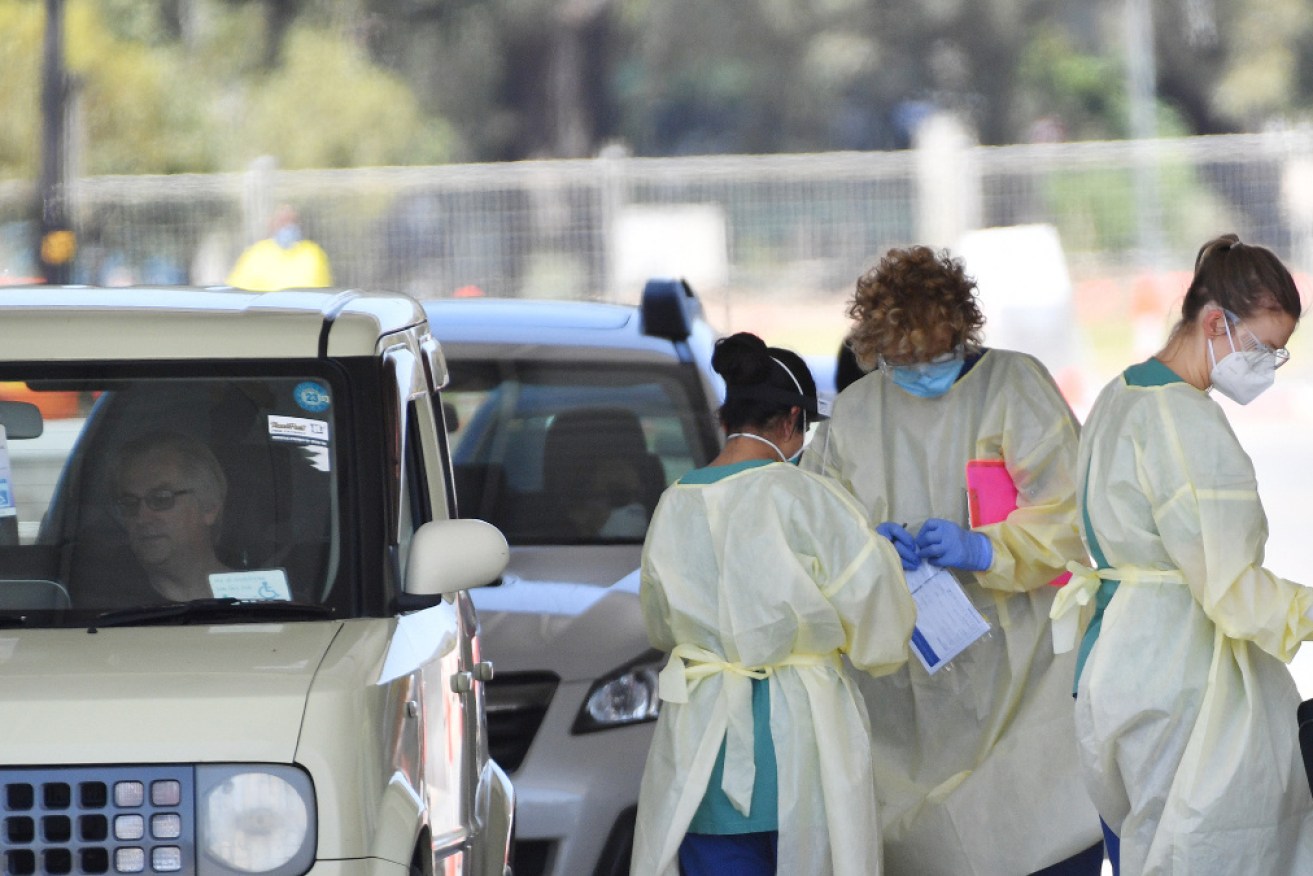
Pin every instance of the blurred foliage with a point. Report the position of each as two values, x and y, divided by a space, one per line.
149 98
1083 95
202 85
126 92
327 106
1099 207
1260 75
20 70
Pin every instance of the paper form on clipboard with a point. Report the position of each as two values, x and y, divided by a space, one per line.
946 621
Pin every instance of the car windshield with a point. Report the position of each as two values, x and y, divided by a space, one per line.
155 491
571 454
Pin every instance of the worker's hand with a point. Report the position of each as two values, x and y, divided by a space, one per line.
903 543
944 543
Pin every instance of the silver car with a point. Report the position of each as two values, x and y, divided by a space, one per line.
567 420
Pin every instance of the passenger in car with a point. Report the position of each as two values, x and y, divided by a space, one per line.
757 576
169 492
608 505
597 466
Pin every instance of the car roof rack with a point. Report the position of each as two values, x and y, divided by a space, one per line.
668 308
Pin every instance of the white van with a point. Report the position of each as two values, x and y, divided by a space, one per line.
234 637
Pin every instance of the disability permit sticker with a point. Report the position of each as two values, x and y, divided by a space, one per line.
253 585
7 505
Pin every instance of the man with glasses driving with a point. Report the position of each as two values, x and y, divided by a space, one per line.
168 494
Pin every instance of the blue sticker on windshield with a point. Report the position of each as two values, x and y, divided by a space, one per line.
312 397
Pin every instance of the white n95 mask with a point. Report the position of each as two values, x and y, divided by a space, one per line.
1244 374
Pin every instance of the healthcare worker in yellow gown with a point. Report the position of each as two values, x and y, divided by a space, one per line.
757 575
1185 710
975 766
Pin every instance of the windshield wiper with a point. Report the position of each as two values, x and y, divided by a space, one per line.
224 608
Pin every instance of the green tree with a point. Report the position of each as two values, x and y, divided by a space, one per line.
152 96
21 26
327 106
138 108
1082 94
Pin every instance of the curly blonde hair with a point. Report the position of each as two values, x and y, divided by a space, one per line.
914 305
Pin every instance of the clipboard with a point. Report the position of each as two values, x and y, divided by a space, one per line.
992 496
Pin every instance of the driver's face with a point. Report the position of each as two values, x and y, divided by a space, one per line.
162 536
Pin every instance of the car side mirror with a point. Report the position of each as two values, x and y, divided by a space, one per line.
21 419
447 556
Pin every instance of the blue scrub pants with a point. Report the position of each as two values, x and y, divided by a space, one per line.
1114 845
1086 863
754 854
733 854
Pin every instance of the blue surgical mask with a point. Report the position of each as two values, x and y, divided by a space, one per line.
927 379
288 236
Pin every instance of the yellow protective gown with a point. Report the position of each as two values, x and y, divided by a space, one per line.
1186 714
771 568
267 267
976 766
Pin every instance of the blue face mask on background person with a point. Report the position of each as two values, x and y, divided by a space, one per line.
288 236
927 379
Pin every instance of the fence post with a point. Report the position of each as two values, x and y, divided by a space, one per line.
947 180
611 159
258 198
1297 195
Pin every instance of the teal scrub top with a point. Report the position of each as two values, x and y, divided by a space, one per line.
716 815
1148 374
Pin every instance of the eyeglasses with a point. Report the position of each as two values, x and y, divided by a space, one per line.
884 364
1249 342
128 505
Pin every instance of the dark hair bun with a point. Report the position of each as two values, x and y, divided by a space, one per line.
1220 244
742 359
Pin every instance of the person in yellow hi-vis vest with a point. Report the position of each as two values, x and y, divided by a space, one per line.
284 260
757 576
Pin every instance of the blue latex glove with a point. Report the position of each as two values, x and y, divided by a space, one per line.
903 543
944 543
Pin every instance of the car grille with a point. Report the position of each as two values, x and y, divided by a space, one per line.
516 705
87 821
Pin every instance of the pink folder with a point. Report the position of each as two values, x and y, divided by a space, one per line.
992 496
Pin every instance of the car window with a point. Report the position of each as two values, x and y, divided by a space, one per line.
570 453
151 490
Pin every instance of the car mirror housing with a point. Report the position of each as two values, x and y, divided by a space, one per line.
21 419
665 308
447 556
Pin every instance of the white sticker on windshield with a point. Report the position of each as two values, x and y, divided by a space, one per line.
254 585
298 430
7 507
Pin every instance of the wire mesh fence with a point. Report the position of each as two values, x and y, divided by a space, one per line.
745 225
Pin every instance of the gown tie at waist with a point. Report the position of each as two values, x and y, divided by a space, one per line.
690 664
1084 584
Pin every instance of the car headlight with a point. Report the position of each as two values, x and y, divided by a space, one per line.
254 819
626 696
